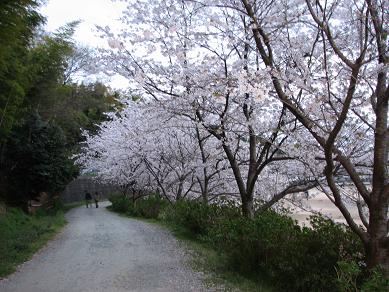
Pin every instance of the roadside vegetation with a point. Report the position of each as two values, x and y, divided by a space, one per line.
253 100
22 235
43 108
43 112
270 248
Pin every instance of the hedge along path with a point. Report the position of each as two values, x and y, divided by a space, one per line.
101 251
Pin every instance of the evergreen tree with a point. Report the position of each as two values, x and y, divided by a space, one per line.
37 156
18 22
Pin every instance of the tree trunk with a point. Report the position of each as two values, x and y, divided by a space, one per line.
204 188
377 247
376 239
179 191
248 206
377 254
204 192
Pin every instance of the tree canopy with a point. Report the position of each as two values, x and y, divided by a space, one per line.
18 23
290 95
42 109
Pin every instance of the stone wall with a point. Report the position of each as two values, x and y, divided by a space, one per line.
75 191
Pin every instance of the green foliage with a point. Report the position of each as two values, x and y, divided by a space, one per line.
51 114
146 207
85 105
70 105
35 71
347 276
47 65
351 277
18 21
198 217
121 204
297 259
214 265
22 235
149 207
376 281
270 246
37 155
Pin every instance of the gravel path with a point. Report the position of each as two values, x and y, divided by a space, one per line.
101 251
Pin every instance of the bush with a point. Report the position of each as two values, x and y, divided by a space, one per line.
376 281
252 244
353 277
121 203
198 217
273 245
270 245
347 276
147 207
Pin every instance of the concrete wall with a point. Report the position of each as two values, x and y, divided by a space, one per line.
75 190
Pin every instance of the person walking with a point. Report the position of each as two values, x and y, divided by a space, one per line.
96 197
88 198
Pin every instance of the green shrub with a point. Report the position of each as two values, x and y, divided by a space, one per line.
198 217
251 244
376 281
321 247
347 276
353 277
58 206
149 207
273 245
270 245
121 204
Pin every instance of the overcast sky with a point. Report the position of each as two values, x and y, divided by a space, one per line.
90 12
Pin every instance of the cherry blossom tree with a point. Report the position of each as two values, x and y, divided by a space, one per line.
322 64
145 150
178 54
328 62
113 154
282 93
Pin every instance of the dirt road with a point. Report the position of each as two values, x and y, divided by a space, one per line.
101 251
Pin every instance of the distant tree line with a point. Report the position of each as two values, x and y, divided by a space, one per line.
42 109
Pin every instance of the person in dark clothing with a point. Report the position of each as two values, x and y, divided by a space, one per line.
88 198
96 199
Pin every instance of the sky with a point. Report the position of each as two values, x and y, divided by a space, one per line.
91 13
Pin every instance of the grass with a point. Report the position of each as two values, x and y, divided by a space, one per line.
22 235
211 263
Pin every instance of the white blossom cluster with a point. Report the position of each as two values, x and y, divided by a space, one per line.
211 107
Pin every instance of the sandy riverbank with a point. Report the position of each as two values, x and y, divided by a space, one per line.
319 202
